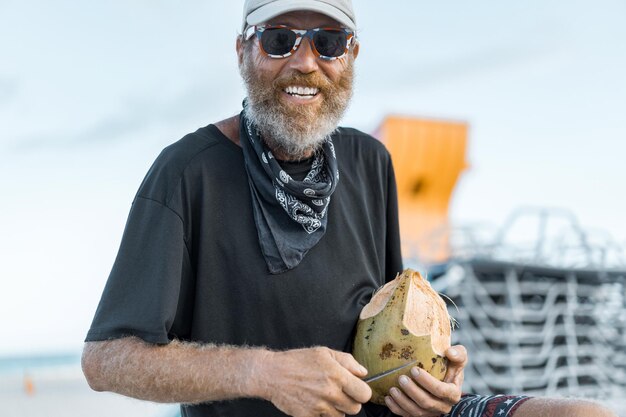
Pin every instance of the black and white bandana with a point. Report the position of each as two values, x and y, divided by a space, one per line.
290 215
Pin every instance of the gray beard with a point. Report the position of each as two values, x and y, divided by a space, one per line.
281 134
295 132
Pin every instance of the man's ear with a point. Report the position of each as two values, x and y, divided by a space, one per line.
239 48
355 49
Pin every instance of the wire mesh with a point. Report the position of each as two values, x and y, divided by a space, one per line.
539 330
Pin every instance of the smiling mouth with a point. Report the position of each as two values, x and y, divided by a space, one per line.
302 92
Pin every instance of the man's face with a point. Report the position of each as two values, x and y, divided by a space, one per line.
294 125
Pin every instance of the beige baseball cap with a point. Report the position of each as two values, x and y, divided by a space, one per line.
260 11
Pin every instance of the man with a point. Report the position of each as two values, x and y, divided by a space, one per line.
253 244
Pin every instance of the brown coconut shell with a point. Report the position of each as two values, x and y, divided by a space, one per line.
406 320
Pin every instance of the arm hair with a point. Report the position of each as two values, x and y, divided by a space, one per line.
178 372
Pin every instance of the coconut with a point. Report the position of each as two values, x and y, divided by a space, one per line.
405 321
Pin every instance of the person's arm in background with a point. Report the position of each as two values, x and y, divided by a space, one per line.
303 382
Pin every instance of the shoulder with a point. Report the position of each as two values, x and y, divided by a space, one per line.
170 166
179 154
353 143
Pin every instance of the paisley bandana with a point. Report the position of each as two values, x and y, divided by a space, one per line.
290 215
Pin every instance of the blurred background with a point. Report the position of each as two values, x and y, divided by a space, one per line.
525 201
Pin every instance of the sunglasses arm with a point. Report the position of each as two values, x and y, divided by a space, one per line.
249 32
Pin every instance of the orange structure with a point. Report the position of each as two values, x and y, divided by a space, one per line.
429 157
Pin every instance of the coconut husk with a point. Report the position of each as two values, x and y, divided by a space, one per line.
406 320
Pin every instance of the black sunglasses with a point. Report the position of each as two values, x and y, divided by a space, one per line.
282 41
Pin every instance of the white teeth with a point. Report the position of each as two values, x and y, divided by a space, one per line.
301 91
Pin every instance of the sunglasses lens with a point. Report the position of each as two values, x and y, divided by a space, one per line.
330 43
278 41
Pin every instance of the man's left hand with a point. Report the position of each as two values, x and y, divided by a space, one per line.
422 395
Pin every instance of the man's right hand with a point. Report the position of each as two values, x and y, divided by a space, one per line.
314 382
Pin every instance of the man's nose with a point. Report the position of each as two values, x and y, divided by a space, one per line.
304 59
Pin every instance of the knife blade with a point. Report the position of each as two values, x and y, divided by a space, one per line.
389 372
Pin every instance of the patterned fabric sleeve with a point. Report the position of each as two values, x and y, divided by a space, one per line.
472 405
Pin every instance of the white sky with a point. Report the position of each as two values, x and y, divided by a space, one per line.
90 92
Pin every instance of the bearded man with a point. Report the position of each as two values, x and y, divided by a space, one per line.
253 243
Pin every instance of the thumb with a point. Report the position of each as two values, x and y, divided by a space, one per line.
457 359
457 355
347 361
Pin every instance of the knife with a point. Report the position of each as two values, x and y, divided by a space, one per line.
389 372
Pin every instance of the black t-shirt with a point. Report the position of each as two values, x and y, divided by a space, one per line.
190 265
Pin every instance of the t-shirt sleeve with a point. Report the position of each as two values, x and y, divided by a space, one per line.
148 279
393 256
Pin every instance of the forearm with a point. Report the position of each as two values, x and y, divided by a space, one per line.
177 372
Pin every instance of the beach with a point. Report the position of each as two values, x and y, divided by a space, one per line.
63 392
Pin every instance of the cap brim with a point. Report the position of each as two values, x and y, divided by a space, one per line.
276 8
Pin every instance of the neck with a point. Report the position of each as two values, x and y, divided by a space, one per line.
283 156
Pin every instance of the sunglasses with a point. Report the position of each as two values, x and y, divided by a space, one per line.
282 41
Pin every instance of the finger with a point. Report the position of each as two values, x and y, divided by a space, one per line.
347 405
407 404
347 361
457 360
333 413
421 397
457 355
452 375
449 393
356 389
458 379
394 407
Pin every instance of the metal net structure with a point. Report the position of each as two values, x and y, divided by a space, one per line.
540 331
540 324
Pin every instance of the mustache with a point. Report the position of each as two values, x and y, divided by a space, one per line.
311 80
